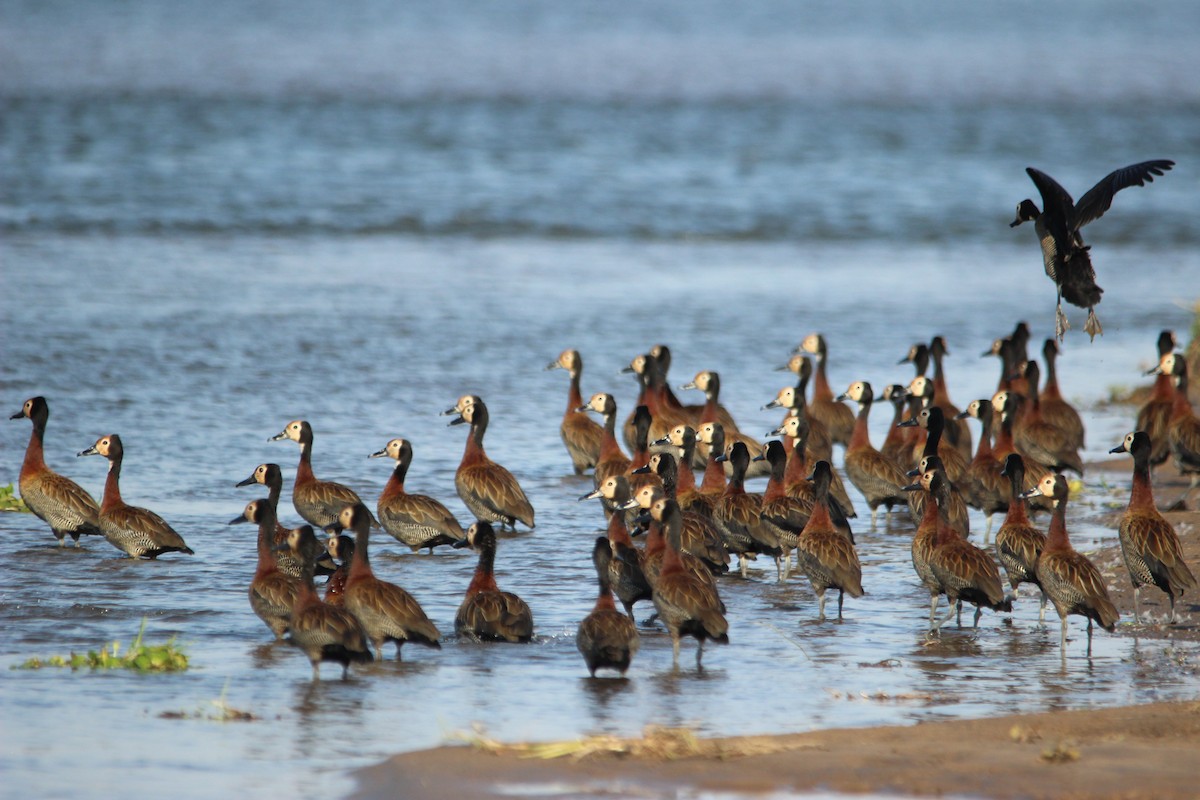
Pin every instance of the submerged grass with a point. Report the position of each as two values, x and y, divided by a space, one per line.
139 657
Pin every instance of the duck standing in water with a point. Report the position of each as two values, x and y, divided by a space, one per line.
1066 258
487 613
606 638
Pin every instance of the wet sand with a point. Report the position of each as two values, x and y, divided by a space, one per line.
1133 752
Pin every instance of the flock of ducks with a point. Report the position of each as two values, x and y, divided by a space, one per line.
1028 435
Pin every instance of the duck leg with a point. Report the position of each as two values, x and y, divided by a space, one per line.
1061 325
842 598
699 654
1042 612
1137 604
937 627
1092 326
933 604
821 605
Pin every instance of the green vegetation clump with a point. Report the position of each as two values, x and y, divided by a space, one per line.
139 657
10 502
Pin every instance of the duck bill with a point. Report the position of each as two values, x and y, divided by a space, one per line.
91 451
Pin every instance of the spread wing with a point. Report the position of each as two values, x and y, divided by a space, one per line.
1099 198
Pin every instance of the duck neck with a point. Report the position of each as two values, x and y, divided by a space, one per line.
608 444
737 481
574 396
774 489
1050 386
395 484
618 533
940 392
35 459
1141 495
304 471
797 464
983 453
1056 535
822 391
360 562
484 580
473 449
819 517
933 436
1004 437
860 438
714 473
929 517
112 487
267 561
656 542
1181 407
672 560
685 476
604 598
895 434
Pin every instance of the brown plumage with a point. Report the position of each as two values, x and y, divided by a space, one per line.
712 484
965 572
386 612
686 606
709 382
823 553
982 486
323 632
784 516
1149 543
957 512
416 520
612 461
272 593
606 638
487 613
837 417
1183 429
656 542
1068 577
795 430
626 574
1055 409
880 480
488 489
1019 542
271 476
1040 440
56 500
638 477
138 532
580 433
1006 405
700 535
819 445
957 432
896 446
1154 416
317 502
738 516
923 542
340 548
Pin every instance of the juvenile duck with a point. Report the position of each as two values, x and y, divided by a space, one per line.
1067 260
53 498
138 532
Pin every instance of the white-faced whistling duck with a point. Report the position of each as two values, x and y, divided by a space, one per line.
1183 429
957 432
487 613
270 476
272 593
879 479
656 541
580 433
1065 257
686 605
924 541
1155 414
1151 547
791 478
612 461
1068 577
712 435
1019 542
1038 439
138 532
896 444
791 398
709 382
1055 409
933 425
700 535
1006 406
318 502
785 516
823 552
486 488
53 498
837 417
641 452
606 638
386 612
957 513
682 440
626 575
738 516
416 520
983 486
340 548
660 364
966 572
324 632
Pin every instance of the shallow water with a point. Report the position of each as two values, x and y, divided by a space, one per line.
215 223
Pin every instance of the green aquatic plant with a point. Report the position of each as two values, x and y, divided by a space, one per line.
139 657
10 502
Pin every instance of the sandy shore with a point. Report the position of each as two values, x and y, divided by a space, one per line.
1148 751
